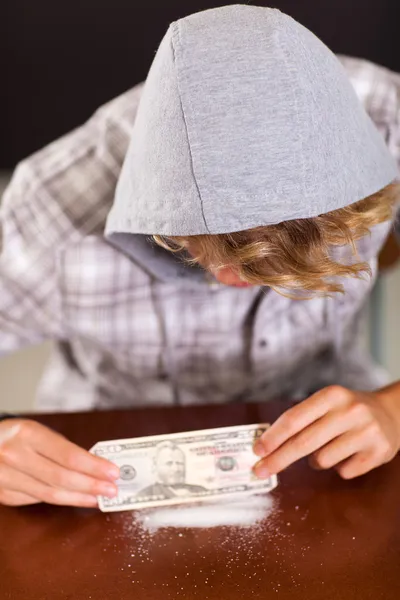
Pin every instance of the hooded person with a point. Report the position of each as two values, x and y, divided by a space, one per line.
210 236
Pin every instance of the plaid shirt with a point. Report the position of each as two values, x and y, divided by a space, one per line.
125 338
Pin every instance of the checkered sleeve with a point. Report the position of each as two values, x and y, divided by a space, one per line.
56 197
29 300
378 89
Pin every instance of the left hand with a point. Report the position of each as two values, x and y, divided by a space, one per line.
352 432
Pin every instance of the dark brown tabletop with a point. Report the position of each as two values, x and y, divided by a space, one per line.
323 539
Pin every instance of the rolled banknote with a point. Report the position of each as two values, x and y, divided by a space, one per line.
185 467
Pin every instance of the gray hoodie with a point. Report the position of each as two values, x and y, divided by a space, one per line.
245 119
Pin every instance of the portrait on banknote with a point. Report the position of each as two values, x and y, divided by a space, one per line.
169 465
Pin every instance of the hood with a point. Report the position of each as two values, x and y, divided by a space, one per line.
246 119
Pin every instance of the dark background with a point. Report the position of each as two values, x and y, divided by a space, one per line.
60 60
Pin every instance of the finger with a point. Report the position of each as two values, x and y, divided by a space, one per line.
15 481
9 498
60 450
340 449
313 463
357 465
312 438
295 420
50 473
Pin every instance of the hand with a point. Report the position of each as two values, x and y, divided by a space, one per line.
39 465
352 432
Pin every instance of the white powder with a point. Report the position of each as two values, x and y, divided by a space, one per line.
245 512
202 546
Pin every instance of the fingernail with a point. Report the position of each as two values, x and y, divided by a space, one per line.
259 449
113 473
261 472
108 490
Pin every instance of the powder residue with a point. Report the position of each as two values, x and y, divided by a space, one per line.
245 512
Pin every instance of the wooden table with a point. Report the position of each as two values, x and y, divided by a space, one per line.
324 539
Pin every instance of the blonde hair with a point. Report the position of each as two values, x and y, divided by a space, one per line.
293 255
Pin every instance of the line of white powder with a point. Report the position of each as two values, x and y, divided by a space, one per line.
245 512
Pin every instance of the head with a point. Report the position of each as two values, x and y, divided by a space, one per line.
170 464
293 256
252 153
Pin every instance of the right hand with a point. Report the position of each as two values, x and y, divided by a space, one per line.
39 465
